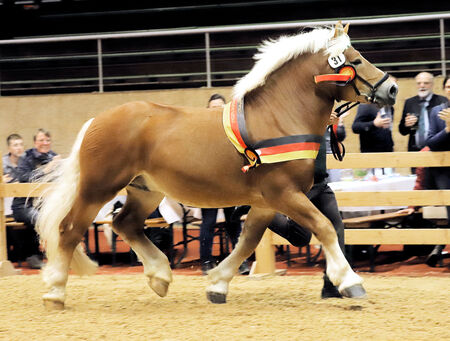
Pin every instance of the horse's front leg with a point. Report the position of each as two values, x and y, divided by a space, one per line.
257 221
299 208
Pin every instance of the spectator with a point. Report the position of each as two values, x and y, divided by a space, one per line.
374 127
11 159
439 140
209 217
36 163
415 119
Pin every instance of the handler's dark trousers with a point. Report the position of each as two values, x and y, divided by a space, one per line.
322 196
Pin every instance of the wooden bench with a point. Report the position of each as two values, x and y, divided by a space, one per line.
265 255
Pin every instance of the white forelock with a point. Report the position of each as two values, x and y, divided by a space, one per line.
272 54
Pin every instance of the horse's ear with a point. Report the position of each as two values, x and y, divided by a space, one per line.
338 29
346 28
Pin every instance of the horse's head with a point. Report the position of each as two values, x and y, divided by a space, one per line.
357 79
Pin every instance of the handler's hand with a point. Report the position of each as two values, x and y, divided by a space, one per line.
334 119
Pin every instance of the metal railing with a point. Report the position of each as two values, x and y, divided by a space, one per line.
203 77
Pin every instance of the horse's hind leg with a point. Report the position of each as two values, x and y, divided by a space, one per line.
255 225
129 224
68 252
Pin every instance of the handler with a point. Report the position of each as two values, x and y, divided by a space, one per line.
322 196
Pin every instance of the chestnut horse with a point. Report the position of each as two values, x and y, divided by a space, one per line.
156 150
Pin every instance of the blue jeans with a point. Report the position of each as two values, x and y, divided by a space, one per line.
209 216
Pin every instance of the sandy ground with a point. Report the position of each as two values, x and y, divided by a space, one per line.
122 307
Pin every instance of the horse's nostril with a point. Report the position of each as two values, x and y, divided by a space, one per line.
393 90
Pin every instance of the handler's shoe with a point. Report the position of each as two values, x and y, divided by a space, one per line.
206 266
329 290
434 256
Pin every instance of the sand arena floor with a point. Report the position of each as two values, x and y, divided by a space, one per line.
123 307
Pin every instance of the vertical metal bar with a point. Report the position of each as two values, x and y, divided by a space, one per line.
442 34
100 65
208 60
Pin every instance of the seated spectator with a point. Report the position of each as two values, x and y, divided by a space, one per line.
36 163
11 159
209 216
439 140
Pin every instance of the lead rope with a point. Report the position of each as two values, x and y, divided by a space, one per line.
337 147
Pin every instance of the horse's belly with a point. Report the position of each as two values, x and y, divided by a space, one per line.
200 191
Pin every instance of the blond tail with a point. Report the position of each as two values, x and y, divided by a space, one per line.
57 202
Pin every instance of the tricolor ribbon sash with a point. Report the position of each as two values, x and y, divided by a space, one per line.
280 149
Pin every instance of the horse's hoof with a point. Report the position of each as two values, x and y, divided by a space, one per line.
53 305
354 291
159 286
216 297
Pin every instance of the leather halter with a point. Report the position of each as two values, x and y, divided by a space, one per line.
274 150
346 74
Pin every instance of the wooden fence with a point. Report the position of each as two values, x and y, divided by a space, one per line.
265 251
265 255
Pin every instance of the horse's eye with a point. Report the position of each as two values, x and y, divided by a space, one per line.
356 62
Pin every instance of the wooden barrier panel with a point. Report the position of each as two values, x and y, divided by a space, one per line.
380 198
394 198
392 236
391 160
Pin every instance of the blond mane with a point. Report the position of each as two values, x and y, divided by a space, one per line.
273 54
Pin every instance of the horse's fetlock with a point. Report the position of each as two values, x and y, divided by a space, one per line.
53 277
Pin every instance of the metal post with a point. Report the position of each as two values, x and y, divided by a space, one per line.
443 61
100 65
208 61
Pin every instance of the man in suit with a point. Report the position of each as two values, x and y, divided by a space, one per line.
415 119
374 126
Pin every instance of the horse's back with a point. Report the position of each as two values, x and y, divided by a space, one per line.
172 145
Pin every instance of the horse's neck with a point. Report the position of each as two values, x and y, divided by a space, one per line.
287 105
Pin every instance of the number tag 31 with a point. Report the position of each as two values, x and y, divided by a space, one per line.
336 61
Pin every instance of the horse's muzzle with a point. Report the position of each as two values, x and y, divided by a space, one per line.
386 94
